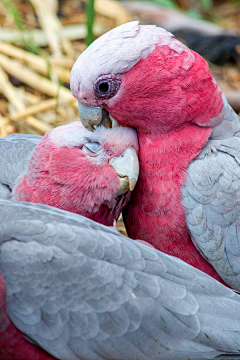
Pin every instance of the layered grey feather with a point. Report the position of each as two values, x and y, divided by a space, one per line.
211 197
15 153
84 291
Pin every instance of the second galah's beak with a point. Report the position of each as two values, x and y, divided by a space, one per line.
95 115
126 166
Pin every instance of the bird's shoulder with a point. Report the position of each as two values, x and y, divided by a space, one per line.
15 152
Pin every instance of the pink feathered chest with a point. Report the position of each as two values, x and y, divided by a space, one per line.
156 213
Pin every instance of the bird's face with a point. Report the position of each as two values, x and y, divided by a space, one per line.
78 170
109 150
101 78
141 76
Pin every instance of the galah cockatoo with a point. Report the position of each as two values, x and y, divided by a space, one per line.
188 191
82 291
73 169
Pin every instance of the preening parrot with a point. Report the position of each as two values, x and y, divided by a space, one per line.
72 168
188 190
82 291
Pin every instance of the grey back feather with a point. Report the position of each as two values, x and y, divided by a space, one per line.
83 291
211 197
15 153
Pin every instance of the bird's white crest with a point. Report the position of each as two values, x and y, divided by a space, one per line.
117 51
75 134
69 135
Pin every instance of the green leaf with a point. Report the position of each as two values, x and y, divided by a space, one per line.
206 4
193 13
166 3
90 14
13 11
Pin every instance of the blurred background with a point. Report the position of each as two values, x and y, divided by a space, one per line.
41 39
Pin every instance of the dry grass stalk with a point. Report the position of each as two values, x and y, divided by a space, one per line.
112 9
31 110
65 62
38 124
36 81
51 25
10 93
38 63
28 97
4 123
70 32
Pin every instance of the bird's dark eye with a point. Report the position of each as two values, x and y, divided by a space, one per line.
103 87
107 86
93 147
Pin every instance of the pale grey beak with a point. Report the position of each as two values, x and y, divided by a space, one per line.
126 166
91 116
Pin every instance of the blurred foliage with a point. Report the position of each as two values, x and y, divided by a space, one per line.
171 4
206 4
30 45
13 11
90 14
193 11
194 14
28 42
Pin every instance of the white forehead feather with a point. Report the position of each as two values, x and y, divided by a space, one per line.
117 51
70 135
75 135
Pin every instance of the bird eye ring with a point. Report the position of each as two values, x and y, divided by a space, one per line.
107 86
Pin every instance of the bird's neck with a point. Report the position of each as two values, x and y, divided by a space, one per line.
156 207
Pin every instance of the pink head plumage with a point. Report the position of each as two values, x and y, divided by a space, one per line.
158 83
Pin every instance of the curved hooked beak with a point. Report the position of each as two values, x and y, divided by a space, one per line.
95 115
126 166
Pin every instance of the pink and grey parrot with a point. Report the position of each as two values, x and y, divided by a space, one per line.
82 291
188 190
73 169
70 168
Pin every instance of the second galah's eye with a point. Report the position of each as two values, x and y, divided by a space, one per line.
92 147
107 86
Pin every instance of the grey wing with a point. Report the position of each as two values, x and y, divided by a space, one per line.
15 152
211 198
83 291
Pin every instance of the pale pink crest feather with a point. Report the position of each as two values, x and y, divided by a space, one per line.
116 52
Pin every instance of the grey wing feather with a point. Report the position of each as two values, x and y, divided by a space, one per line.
15 152
83 291
211 198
